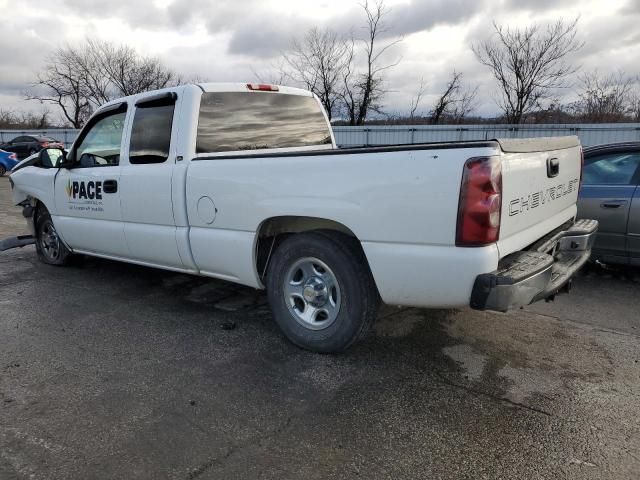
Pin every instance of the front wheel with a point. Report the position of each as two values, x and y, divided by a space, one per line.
49 247
3 170
321 291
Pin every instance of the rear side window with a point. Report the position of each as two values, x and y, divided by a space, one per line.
611 169
151 133
236 121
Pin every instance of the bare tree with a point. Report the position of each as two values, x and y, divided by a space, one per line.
13 120
635 104
87 62
79 79
318 61
528 63
417 99
446 98
330 66
61 84
126 70
362 92
605 98
277 75
455 103
464 105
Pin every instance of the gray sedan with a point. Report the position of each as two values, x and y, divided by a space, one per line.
610 194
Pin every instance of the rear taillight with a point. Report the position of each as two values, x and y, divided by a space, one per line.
44 144
480 202
263 87
13 156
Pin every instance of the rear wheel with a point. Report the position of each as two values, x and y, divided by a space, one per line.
321 291
49 247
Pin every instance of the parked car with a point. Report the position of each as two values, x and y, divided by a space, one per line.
243 182
26 145
8 160
611 195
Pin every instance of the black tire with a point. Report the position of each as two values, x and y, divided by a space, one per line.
358 299
49 247
3 170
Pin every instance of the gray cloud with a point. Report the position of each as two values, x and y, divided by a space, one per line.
249 35
632 7
536 5
405 19
134 13
217 15
266 37
418 16
266 33
21 53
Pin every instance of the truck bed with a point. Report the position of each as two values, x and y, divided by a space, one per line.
400 201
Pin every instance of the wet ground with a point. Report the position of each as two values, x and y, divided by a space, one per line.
110 370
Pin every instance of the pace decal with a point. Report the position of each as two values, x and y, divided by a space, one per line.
524 204
84 195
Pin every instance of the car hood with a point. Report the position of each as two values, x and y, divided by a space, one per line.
30 160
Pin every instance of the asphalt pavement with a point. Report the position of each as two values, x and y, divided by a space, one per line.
109 370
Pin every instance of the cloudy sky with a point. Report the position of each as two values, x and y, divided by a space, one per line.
227 40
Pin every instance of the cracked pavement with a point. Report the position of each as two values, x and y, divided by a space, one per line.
110 370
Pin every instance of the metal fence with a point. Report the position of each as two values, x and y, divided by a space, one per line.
590 134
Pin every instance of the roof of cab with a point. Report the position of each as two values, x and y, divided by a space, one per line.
242 87
206 87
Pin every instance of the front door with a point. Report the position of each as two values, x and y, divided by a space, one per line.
87 195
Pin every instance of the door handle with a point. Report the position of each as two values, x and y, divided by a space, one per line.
553 167
613 204
110 186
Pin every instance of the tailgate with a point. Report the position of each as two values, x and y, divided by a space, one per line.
540 183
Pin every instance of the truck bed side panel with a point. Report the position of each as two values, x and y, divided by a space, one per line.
398 197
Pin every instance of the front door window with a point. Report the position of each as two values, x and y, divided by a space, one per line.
100 147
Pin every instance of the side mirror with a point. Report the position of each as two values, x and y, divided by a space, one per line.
53 158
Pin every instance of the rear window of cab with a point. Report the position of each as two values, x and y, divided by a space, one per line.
241 121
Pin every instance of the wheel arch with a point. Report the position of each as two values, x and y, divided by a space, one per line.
273 230
38 207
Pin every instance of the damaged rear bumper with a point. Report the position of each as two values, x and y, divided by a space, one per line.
538 273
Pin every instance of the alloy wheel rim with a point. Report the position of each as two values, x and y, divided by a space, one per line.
312 293
49 241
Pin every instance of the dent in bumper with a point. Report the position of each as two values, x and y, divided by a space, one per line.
525 277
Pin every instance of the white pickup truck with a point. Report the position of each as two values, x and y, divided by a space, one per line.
243 182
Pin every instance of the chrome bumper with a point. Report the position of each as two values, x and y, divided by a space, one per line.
538 273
